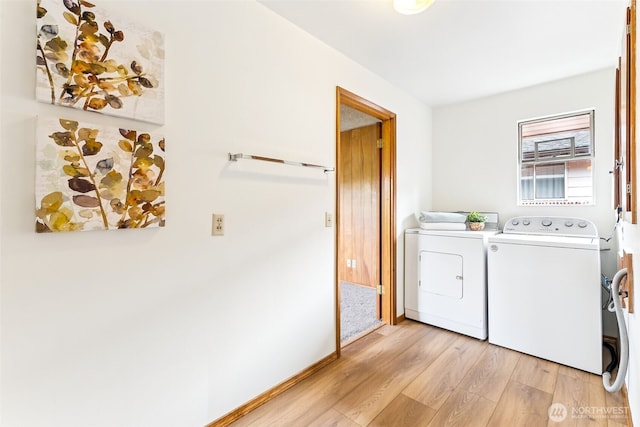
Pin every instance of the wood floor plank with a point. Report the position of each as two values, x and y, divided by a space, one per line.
620 409
614 399
521 405
359 361
435 343
355 347
435 383
331 418
583 401
463 408
311 398
402 412
331 383
581 375
286 407
412 375
388 345
491 374
381 373
370 398
386 330
537 373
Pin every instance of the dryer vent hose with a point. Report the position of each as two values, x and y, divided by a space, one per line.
616 305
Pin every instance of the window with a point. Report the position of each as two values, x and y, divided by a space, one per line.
555 160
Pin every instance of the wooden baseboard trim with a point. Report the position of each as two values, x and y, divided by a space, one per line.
399 319
243 410
625 398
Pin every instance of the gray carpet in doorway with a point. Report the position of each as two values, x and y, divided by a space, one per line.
357 310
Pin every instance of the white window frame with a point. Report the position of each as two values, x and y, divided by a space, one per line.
565 159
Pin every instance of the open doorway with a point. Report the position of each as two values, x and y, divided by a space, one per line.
359 182
365 209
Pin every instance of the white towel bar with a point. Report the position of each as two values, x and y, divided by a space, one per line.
235 157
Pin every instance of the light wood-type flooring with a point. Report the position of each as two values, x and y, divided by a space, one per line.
417 375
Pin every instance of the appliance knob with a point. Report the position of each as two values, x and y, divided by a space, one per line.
582 224
546 222
526 221
568 223
515 221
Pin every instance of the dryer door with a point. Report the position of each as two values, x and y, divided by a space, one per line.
441 274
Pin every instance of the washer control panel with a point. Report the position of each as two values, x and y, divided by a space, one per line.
551 225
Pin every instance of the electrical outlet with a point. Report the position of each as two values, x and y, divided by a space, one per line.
218 225
353 263
348 263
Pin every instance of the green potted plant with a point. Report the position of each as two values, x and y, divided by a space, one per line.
476 221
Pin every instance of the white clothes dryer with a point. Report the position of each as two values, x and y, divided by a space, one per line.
544 293
445 279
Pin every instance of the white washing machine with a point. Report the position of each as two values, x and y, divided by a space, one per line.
544 290
445 279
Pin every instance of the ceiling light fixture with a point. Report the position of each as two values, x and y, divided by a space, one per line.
411 7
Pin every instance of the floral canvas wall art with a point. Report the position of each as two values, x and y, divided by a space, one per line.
88 58
91 177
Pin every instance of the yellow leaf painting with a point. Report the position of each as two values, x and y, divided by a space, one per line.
88 58
89 178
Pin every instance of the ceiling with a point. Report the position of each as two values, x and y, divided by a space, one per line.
459 50
351 118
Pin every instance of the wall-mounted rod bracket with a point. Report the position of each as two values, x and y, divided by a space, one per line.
235 157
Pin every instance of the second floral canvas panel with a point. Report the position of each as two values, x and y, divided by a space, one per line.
91 59
92 177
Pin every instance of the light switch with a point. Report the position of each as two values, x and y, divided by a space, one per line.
328 219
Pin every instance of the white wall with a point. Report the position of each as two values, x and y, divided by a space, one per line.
476 149
490 125
171 326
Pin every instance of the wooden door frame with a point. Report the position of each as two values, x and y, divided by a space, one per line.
388 204
631 123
